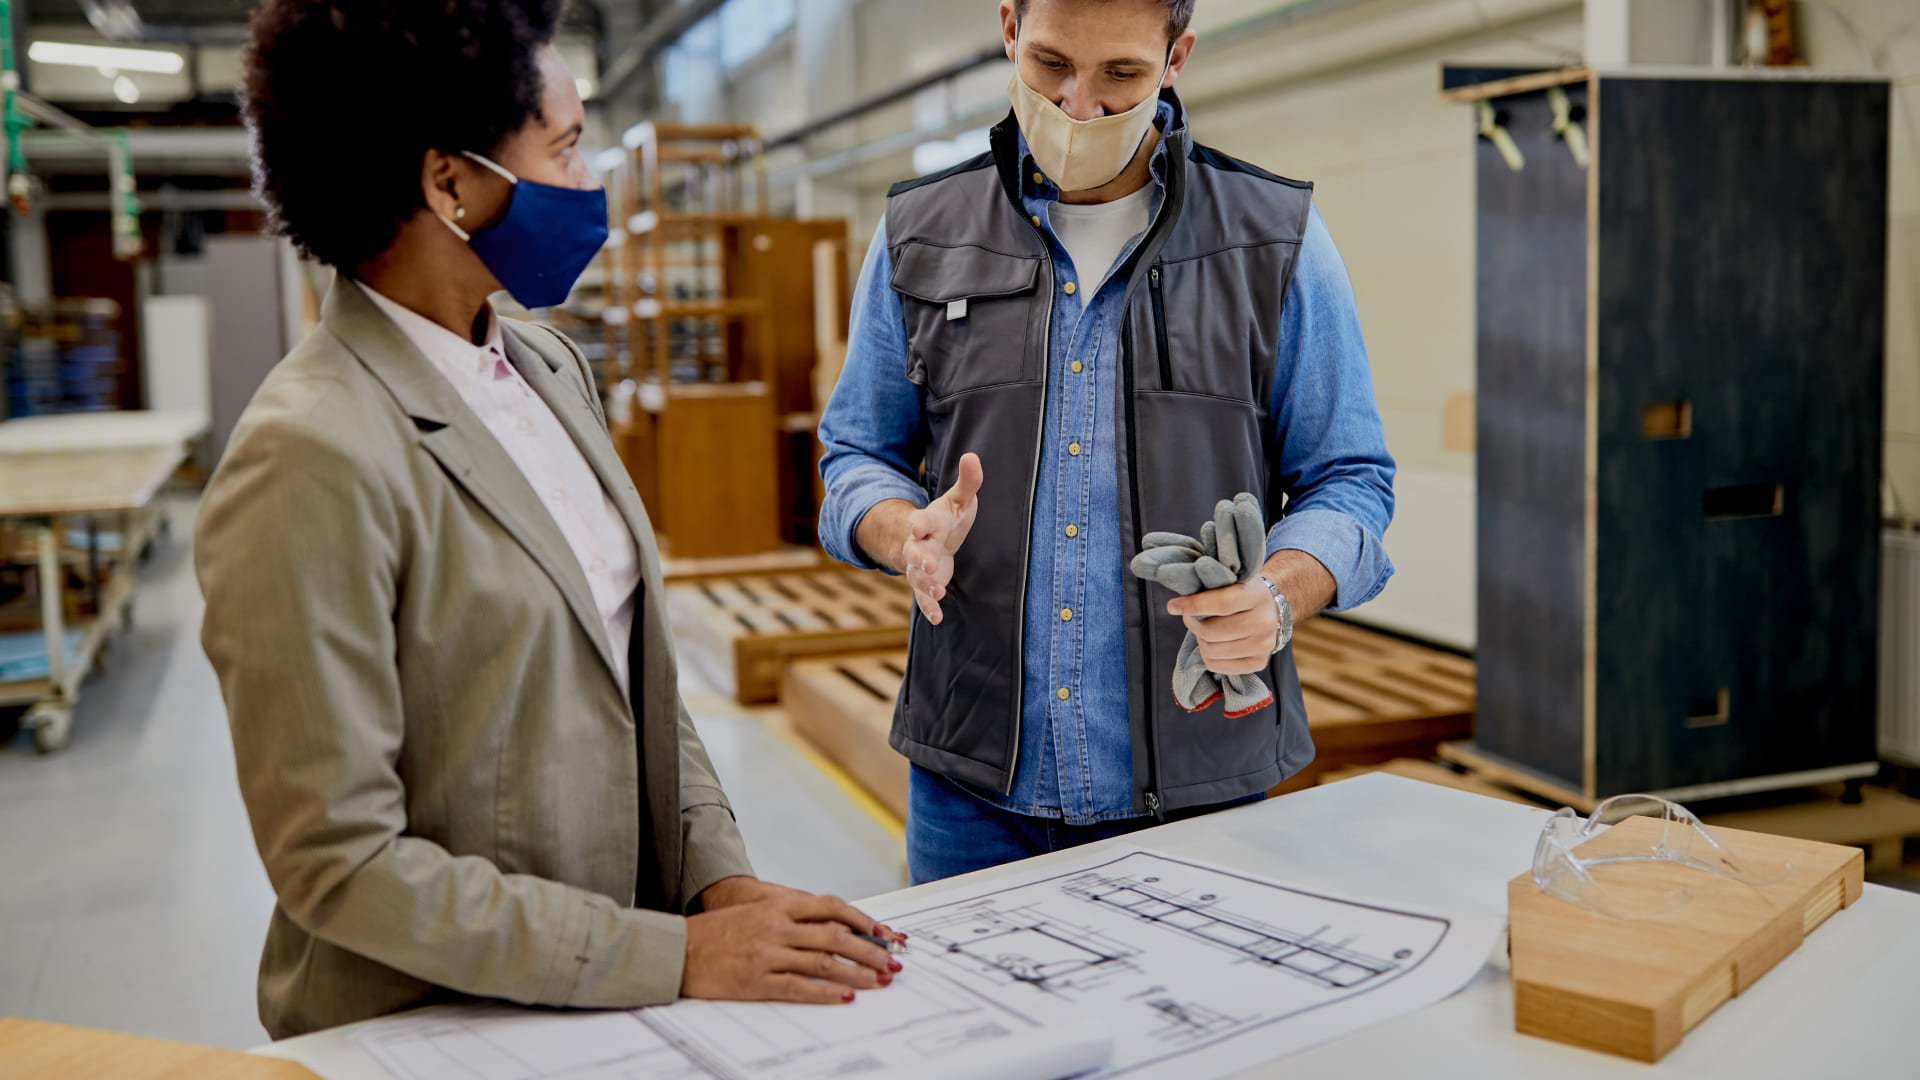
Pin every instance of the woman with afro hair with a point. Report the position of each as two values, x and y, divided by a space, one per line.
433 596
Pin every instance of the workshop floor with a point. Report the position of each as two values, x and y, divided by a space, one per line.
130 894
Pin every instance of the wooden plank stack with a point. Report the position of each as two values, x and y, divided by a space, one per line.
844 706
742 632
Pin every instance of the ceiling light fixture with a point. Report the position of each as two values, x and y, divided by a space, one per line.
106 56
125 90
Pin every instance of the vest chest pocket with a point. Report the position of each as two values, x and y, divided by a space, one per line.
969 314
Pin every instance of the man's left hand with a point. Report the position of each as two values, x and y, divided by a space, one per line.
1235 626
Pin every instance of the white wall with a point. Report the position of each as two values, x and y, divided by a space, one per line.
1347 99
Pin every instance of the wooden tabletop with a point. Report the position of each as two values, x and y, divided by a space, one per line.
31 1050
84 481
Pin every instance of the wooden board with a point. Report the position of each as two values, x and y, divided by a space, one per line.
1635 987
1881 821
84 481
1428 772
32 1050
718 471
1371 697
844 706
1461 83
740 633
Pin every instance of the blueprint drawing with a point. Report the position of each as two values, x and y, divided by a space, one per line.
1195 970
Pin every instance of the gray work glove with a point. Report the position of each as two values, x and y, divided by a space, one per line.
1228 553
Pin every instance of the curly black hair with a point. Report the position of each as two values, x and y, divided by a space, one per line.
343 98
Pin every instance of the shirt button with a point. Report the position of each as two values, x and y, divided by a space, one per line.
597 566
1069 288
1038 179
1064 694
1073 531
1036 220
559 496
525 427
1076 367
1074 449
1066 614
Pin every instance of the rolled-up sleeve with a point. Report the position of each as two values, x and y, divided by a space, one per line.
871 431
1329 450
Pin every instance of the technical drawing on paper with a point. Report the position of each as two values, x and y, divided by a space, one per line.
492 1042
1161 968
1174 956
921 1019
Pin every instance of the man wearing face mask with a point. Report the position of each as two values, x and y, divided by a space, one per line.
1094 331
433 596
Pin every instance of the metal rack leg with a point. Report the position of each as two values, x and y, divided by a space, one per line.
52 719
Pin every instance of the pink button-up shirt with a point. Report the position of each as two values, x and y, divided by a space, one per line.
532 436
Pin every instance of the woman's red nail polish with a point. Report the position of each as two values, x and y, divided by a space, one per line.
885 979
848 996
893 965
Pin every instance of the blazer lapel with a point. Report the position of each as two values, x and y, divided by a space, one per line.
544 365
549 367
466 450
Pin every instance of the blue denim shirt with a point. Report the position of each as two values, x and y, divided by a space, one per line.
1076 755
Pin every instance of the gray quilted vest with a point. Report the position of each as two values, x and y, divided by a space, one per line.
1197 359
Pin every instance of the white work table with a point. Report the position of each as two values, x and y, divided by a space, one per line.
1840 1005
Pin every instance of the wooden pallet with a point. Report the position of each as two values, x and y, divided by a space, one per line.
741 632
1880 822
787 559
844 706
1430 772
1372 698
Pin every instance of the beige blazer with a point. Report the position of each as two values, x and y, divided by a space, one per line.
444 779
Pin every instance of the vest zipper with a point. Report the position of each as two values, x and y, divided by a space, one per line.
1160 328
1026 538
1146 600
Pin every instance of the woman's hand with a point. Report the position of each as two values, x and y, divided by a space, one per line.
727 892
768 943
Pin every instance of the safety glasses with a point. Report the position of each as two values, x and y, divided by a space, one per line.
1604 879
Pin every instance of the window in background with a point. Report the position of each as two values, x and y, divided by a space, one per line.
687 70
748 26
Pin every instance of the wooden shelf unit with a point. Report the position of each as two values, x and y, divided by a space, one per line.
713 321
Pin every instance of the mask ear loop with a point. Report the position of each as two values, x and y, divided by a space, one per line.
464 235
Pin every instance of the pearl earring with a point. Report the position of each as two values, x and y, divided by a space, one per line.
459 212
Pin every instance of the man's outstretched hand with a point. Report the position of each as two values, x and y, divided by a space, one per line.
935 534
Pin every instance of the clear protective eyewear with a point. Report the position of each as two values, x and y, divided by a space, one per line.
1604 881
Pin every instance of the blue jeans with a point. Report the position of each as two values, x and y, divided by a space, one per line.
950 830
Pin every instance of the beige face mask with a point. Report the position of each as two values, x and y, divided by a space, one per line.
1078 155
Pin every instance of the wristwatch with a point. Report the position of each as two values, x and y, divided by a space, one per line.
1283 632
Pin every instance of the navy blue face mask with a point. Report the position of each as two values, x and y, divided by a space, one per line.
545 239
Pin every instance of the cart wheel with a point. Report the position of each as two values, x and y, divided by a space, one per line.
51 725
